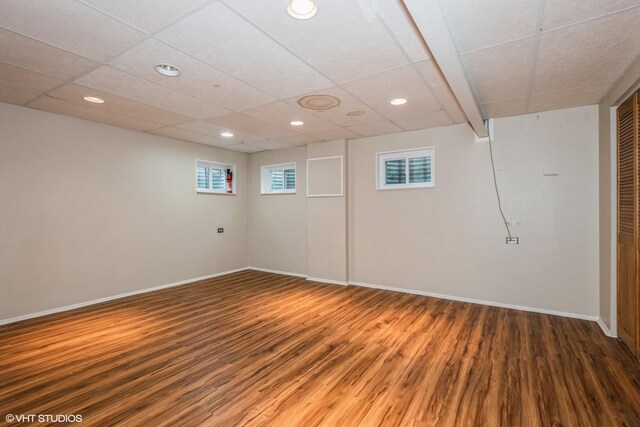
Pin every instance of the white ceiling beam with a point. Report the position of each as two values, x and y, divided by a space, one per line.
431 24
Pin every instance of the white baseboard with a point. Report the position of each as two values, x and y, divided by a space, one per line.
449 297
605 329
596 319
331 281
482 302
288 273
284 273
114 297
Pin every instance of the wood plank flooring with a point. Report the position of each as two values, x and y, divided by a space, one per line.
255 348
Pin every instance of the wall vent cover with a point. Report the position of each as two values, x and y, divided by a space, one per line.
319 102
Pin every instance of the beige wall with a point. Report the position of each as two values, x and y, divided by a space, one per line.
295 233
278 222
91 211
627 84
327 219
450 239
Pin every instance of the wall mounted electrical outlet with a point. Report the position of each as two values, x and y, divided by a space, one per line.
513 241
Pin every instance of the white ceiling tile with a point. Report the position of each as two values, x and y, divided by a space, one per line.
504 108
338 115
478 24
76 93
502 72
33 55
211 129
438 84
245 148
186 135
69 25
353 43
197 79
338 133
271 144
252 69
299 140
220 37
15 96
252 126
119 83
28 81
558 13
424 121
148 15
587 54
60 106
376 91
566 99
372 129
397 18
281 114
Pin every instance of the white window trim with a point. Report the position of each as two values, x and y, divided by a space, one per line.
341 193
403 154
265 181
223 165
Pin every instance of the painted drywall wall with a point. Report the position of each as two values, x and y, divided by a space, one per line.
628 83
91 211
450 239
327 222
278 222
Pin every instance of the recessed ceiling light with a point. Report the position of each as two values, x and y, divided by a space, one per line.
398 101
226 134
302 9
296 123
94 99
168 70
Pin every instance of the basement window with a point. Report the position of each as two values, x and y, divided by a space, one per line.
215 177
405 169
278 179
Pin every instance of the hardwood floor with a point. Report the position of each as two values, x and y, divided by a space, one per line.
255 348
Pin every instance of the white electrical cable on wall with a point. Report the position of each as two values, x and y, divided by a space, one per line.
495 181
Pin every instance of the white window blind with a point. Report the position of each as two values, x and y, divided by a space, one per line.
405 169
278 178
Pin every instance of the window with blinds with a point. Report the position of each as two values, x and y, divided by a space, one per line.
278 179
405 169
213 177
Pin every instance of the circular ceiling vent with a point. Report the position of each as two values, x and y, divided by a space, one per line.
319 102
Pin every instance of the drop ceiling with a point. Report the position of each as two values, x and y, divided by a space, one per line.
527 56
245 63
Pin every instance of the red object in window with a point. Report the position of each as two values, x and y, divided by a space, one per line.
229 181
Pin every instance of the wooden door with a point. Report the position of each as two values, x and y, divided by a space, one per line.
628 224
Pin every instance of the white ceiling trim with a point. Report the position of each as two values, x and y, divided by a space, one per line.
430 21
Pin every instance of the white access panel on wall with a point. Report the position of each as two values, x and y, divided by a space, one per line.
325 176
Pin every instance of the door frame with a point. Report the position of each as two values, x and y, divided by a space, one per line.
613 129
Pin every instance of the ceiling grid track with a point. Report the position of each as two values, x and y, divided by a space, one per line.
536 47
